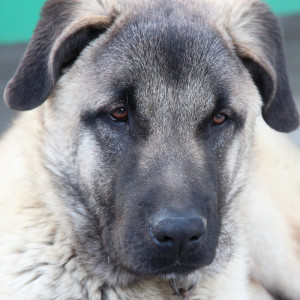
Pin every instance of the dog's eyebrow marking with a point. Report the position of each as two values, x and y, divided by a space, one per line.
90 116
113 96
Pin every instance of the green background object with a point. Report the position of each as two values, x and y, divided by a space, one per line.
19 17
284 7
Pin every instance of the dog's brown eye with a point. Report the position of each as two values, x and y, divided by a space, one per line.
119 114
219 119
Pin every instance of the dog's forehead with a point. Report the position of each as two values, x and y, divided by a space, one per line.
169 62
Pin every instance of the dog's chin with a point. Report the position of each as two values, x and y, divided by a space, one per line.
182 276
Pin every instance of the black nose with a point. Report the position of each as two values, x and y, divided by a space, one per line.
177 232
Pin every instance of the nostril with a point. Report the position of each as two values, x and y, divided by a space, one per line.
160 237
195 238
164 239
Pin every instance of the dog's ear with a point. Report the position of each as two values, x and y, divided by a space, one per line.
258 41
57 41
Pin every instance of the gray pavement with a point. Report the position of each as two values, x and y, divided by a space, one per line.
10 56
9 59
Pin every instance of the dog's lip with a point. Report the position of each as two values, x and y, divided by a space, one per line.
175 269
169 271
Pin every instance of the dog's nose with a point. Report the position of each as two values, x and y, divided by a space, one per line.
177 232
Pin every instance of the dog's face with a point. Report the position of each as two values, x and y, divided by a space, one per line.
160 141
148 133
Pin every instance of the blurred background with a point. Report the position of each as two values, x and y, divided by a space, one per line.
18 19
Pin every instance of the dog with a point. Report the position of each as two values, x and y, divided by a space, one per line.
147 162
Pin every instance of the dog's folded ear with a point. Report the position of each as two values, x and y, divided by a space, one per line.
57 41
258 41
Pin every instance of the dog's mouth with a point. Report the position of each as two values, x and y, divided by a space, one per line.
166 272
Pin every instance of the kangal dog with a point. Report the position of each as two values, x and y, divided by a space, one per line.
148 165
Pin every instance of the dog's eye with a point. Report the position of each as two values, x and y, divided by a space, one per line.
219 119
119 114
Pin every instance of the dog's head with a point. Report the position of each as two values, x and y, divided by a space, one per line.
149 120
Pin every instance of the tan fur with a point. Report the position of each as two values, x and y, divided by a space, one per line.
275 210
